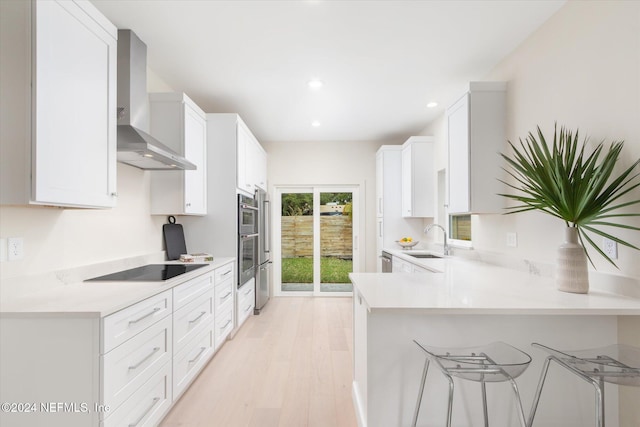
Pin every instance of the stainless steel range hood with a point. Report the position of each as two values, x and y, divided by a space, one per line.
135 146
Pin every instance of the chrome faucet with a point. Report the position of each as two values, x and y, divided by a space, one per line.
446 245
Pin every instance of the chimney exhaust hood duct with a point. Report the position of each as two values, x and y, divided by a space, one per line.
135 146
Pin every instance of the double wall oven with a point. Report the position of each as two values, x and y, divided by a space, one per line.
247 238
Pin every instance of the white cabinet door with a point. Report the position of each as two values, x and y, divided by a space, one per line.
458 125
244 146
476 127
260 164
195 150
379 183
252 161
418 178
73 132
181 125
407 182
401 266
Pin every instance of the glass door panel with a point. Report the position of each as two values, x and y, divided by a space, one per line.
336 241
297 241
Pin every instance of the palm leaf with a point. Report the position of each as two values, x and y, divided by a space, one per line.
560 178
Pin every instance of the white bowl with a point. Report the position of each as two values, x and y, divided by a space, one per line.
407 244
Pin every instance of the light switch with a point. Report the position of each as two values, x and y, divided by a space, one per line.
512 240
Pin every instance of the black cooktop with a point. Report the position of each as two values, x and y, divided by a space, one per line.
148 273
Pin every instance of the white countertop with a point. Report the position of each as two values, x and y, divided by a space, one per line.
459 286
94 299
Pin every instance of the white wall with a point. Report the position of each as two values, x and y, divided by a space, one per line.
56 238
581 69
326 163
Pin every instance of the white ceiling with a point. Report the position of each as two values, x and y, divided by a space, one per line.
381 61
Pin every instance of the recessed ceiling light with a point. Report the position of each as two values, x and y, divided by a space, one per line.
432 104
315 84
315 123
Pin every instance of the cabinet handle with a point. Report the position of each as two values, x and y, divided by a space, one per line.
114 194
225 273
248 308
155 310
155 400
226 324
197 318
137 365
188 204
226 296
202 349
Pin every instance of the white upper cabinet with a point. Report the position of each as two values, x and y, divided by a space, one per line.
418 177
252 161
58 85
181 125
476 128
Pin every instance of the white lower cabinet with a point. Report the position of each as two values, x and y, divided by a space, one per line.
401 266
128 367
223 304
188 362
131 364
246 301
147 405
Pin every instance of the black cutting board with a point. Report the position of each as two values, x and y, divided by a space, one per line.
174 239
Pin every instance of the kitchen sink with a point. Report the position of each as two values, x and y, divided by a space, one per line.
424 256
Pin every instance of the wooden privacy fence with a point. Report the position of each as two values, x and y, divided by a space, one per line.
335 236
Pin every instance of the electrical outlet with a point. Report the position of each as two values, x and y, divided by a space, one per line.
610 248
512 240
15 248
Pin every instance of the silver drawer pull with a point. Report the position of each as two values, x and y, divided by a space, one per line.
202 349
151 313
137 365
248 308
155 400
197 318
227 272
226 296
226 324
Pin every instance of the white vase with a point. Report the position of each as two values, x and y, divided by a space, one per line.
572 274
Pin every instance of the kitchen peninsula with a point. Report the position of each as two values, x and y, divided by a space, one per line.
465 303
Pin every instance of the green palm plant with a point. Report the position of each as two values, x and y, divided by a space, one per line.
579 188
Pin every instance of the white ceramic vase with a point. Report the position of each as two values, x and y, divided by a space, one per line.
572 274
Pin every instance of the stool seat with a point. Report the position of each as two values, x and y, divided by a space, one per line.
616 364
495 362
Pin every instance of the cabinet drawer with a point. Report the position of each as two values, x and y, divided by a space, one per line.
224 325
191 290
224 293
128 366
246 301
191 319
124 324
147 405
190 360
224 272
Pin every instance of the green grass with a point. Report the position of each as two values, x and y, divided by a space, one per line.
300 270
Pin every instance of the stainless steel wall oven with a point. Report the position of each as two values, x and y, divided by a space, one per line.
247 238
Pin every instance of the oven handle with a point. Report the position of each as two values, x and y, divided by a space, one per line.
248 236
253 208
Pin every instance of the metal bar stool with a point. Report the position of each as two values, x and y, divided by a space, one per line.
616 364
496 362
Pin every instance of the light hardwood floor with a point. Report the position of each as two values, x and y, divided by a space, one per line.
291 366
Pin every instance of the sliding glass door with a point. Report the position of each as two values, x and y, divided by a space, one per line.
317 235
